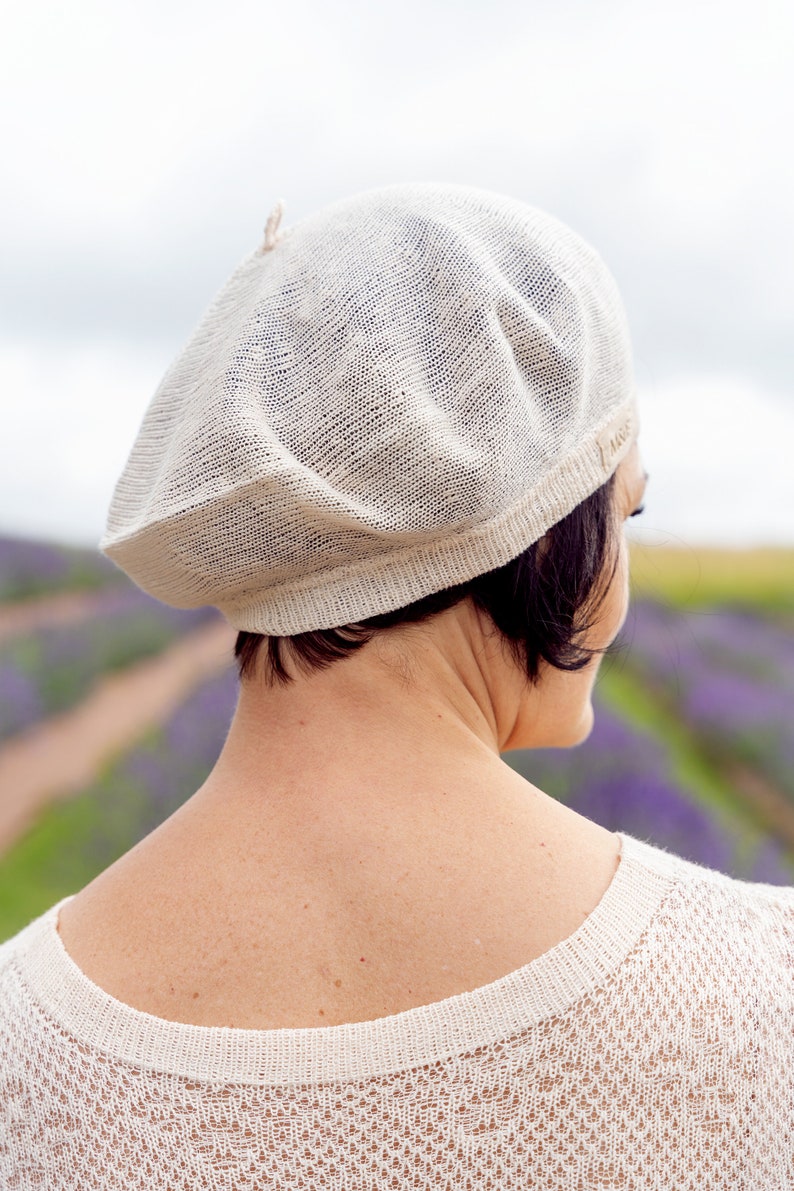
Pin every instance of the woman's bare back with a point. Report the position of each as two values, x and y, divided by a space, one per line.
218 928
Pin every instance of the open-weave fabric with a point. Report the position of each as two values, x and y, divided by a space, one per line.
389 398
652 1049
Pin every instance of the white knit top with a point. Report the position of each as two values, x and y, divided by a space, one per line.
653 1048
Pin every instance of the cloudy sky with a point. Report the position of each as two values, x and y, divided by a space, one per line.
144 145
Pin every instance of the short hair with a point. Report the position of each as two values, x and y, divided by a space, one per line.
542 602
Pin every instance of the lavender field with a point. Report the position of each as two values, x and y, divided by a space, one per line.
50 669
39 568
692 747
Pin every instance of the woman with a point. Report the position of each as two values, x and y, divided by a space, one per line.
398 454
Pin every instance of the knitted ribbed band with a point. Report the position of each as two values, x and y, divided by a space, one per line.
386 399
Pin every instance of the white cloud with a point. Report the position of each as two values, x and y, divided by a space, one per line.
69 420
145 143
718 450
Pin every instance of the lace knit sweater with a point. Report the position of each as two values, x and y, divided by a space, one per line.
654 1048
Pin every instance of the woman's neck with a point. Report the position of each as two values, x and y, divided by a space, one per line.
369 848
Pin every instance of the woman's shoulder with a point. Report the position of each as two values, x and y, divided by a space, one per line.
712 918
679 971
16 977
661 859
693 879
15 949
691 914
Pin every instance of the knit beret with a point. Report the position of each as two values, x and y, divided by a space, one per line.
385 399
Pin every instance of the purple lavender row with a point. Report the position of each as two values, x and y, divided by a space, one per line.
670 641
152 781
30 569
729 676
48 671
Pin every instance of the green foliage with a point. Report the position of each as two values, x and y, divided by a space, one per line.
60 664
46 864
761 580
29 569
71 843
692 765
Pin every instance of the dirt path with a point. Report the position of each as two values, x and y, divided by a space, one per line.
61 755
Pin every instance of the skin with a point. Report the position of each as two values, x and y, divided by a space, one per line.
360 846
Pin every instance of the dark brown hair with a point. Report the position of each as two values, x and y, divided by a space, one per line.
542 603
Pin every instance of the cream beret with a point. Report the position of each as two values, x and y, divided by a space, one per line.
386 399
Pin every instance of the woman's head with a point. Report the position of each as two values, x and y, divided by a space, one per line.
407 400
542 602
554 610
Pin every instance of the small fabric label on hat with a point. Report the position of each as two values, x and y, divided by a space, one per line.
614 437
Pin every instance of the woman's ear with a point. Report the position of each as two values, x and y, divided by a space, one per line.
543 545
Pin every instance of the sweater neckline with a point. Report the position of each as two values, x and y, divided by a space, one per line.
546 986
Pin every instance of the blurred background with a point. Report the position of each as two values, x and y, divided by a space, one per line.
144 147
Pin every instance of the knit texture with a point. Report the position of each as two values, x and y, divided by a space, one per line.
394 396
652 1049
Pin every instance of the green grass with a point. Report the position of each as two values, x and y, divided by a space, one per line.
630 699
761 579
41 868
692 765
73 841
70 843
34 569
